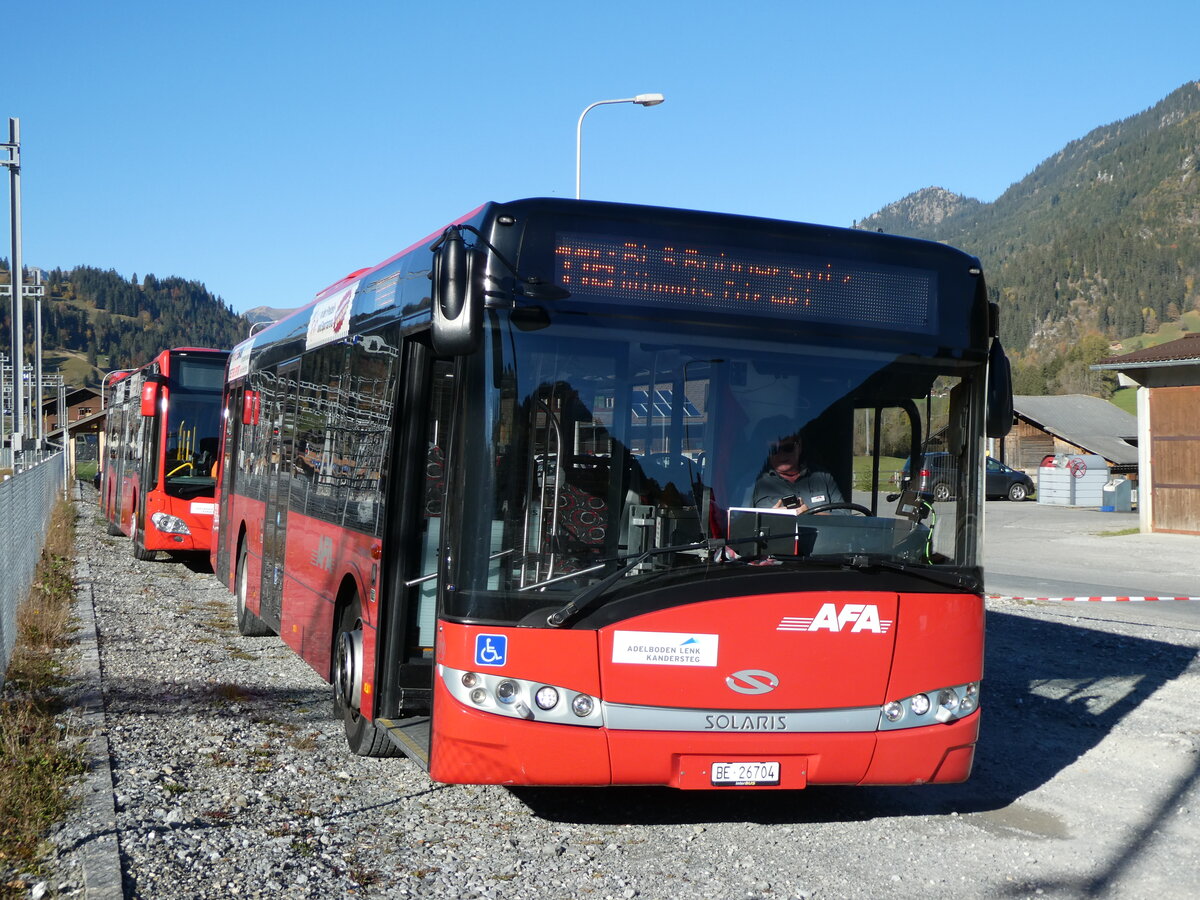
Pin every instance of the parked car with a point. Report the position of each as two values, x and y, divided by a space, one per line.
939 474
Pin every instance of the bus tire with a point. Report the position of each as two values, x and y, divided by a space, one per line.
114 529
248 624
139 548
364 737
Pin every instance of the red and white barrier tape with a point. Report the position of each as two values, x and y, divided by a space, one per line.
1091 599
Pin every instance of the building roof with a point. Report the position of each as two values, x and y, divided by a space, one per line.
74 395
1184 351
1087 422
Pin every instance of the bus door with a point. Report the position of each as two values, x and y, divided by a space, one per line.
280 451
114 466
144 441
231 438
420 445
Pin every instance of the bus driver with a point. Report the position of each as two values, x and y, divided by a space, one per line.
789 483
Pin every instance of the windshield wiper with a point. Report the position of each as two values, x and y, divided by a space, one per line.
970 582
587 597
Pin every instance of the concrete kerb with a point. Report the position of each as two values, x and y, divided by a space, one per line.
98 852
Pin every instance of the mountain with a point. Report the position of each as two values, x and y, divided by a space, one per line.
1101 239
94 321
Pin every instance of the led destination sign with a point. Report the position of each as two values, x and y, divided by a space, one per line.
664 272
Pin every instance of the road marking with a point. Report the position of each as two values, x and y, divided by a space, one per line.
1090 599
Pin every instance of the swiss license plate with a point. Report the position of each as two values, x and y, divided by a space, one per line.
745 774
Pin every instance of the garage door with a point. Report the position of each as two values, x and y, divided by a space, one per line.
1175 458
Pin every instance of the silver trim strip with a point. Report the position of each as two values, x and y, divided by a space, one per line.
622 717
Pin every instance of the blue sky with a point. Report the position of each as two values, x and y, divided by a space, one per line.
269 148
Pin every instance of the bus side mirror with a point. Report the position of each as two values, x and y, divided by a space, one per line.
999 393
149 399
458 273
250 408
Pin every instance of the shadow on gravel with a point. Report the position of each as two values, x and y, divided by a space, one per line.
212 700
197 562
1026 737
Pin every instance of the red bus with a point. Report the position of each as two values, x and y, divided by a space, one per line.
501 490
161 437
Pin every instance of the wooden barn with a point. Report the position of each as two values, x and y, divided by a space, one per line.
1070 423
1168 404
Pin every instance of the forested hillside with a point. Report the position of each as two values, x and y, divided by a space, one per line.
1098 243
114 322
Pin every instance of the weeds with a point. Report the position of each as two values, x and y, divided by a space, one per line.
36 765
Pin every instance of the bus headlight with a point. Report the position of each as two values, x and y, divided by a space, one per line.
582 705
925 708
519 698
169 524
506 691
969 698
947 705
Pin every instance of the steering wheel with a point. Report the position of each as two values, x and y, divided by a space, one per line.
822 507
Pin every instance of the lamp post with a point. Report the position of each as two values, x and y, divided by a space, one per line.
640 99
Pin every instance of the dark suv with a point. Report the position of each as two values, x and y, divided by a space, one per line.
939 474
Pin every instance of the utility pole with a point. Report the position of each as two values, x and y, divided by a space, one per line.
15 279
37 292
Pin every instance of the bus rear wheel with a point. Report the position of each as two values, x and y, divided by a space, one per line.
364 737
249 625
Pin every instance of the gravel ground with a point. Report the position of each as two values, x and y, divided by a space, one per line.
230 779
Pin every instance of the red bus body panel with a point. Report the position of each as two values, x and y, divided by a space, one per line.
918 642
319 559
197 512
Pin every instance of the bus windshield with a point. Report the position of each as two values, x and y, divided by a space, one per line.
193 424
639 449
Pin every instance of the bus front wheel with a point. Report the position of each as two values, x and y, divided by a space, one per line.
364 737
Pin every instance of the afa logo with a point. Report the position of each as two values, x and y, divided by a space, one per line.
851 617
322 557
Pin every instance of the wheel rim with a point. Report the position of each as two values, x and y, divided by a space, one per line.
348 669
1017 492
941 492
241 586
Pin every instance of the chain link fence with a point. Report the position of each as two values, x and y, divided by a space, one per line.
26 501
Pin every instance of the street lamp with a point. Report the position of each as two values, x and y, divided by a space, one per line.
640 100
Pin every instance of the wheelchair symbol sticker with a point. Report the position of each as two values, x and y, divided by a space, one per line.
491 649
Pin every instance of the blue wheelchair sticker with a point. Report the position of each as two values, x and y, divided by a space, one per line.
491 649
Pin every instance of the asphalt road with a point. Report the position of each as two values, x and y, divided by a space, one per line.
1036 550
